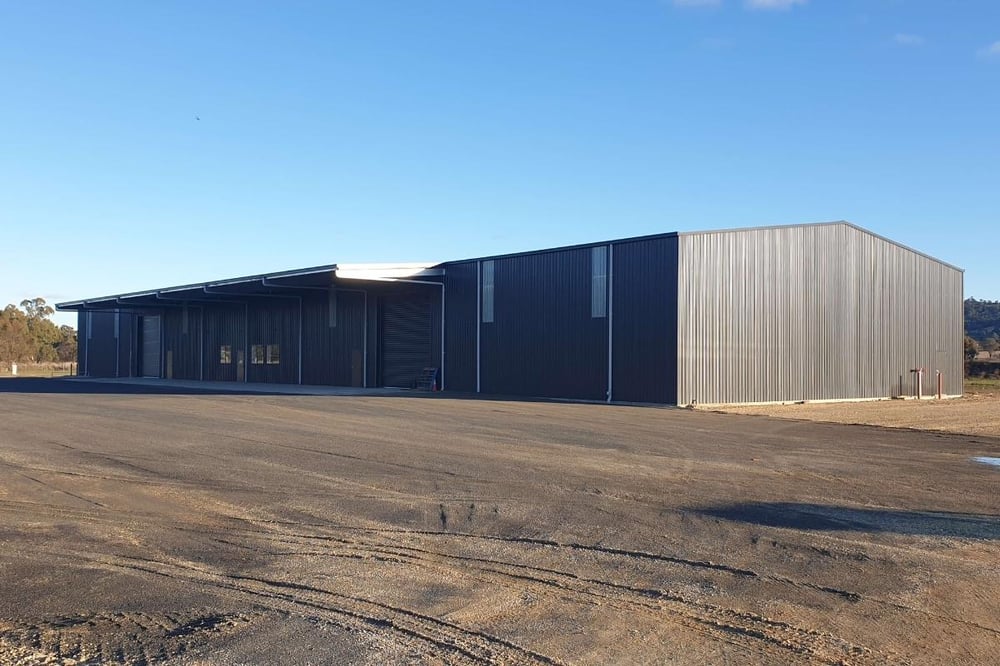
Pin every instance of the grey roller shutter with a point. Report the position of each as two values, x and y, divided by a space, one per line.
151 346
406 340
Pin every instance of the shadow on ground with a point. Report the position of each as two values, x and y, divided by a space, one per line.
824 517
80 386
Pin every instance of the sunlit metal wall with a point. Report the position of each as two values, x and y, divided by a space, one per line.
812 312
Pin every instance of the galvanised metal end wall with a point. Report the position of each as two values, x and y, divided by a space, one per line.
812 312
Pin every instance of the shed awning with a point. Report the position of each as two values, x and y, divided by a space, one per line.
265 284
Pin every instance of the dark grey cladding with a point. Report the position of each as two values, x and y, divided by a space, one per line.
805 312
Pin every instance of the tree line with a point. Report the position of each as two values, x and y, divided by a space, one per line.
982 323
27 335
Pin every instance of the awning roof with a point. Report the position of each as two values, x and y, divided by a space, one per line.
273 284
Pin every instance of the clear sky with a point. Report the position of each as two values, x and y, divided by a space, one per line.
148 144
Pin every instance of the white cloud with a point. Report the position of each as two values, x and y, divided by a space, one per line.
773 4
991 51
904 39
696 3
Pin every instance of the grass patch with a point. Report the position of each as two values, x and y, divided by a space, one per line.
981 385
41 370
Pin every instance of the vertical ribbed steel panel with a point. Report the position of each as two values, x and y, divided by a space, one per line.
274 322
98 353
543 340
182 348
407 332
812 312
224 326
460 326
127 338
333 355
644 340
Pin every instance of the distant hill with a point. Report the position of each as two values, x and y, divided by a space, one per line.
982 319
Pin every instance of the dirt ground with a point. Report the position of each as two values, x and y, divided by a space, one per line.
225 529
976 413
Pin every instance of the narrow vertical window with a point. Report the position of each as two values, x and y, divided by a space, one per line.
226 354
332 300
599 282
256 354
273 354
488 292
117 323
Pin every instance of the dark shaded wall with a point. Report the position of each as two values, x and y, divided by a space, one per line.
333 355
644 301
100 349
543 340
274 321
181 333
461 315
224 325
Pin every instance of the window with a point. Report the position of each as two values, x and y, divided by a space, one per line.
257 354
273 355
599 282
488 292
225 354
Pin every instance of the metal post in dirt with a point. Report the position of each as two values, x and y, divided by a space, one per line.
919 372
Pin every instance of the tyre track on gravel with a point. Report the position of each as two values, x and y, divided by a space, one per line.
750 630
349 611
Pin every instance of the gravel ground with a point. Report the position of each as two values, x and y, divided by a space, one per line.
976 413
142 527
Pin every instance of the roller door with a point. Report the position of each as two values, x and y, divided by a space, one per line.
406 340
151 346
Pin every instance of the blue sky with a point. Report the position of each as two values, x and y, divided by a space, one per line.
150 144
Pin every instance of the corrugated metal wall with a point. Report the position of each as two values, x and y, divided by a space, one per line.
333 355
127 339
644 308
407 335
274 322
182 342
102 353
224 327
812 312
543 340
460 326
